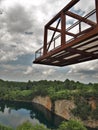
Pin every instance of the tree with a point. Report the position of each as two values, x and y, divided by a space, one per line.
28 126
72 125
29 85
82 109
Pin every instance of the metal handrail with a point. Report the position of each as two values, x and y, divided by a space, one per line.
68 29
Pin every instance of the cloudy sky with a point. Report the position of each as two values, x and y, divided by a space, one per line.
21 34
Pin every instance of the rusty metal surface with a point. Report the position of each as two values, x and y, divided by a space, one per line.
82 46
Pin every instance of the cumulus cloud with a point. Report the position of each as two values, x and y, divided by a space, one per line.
84 72
14 42
18 20
48 72
29 70
21 18
85 5
1 1
87 68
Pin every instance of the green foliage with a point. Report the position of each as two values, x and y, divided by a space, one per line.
71 85
65 94
28 126
94 113
25 126
2 127
82 109
72 125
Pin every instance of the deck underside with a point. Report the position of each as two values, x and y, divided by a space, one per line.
74 52
81 47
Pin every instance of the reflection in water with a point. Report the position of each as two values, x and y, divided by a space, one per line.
15 113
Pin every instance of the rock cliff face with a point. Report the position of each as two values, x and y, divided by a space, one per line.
92 103
45 101
63 108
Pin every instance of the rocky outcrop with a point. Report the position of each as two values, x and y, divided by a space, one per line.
63 108
92 102
91 123
44 101
60 107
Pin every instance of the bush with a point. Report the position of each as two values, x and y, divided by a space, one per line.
2 127
82 110
95 114
28 126
64 94
72 125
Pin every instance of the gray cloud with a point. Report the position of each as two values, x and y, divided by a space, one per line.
85 72
14 42
1 1
18 20
85 5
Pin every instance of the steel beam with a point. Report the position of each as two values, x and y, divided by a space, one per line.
53 34
80 18
59 30
96 5
45 40
66 8
63 28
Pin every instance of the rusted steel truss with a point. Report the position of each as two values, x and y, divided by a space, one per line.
65 46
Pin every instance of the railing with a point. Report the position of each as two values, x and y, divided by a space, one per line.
54 43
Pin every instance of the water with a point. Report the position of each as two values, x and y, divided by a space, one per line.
15 113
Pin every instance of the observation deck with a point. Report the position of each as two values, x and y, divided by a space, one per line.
65 45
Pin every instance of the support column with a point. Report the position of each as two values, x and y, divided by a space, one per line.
45 41
96 6
63 28
79 27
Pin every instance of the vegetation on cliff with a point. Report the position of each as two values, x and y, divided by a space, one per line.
82 94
